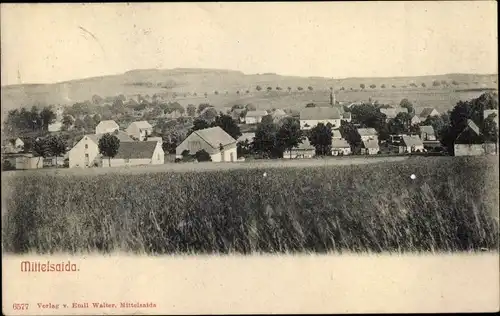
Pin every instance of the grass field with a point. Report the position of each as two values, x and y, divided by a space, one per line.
452 205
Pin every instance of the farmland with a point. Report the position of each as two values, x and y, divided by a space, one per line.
452 205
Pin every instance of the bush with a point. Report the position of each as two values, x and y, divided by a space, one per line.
359 208
7 165
202 155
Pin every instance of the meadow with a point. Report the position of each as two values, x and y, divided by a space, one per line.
451 205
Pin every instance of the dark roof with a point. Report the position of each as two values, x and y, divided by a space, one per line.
136 150
426 112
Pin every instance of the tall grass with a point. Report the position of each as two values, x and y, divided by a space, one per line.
452 205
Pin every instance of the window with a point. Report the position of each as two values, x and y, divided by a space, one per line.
86 146
87 156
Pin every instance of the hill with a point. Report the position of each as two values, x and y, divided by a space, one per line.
226 87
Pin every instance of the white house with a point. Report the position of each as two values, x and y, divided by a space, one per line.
391 113
370 147
415 119
139 130
220 145
427 133
254 117
340 147
310 117
411 144
368 134
246 137
108 126
136 154
28 161
336 134
426 112
86 152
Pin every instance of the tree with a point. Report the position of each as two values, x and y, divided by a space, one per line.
247 92
413 84
289 135
202 155
300 88
400 124
203 106
405 103
265 141
278 88
436 83
258 88
46 117
205 94
96 99
289 89
369 115
216 92
310 105
56 146
350 134
191 110
269 88
382 86
40 149
108 146
321 139
310 88
89 123
423 84
362 86
198 124
394 86
490 129
238 92
243 148
454 82
227 123
373 86
209 114
79 124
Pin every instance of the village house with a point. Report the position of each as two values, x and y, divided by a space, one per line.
340 147
28 161
426 112
391 113
427 133
463 146
487 113
246 137
415 119
254 117
139 130
278 115
220 145
236 115
310 117
367 134
13 145
336 134
410 144
136 154
303 150
86 151
108 126
370 147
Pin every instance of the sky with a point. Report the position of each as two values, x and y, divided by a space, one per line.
46 43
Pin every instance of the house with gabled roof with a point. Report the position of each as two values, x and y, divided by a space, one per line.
246 137
427 133
415 119
85 153
410 144
255 117
391 113
340 147
489 112
303 150
139 130
220 145
137 153
108 126
470 142
310 117
426 112
370 147
367 133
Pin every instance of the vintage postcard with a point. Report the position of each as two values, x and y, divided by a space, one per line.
249 158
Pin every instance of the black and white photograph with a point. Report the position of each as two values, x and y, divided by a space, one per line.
249 158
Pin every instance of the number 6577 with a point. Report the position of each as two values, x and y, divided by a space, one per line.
21 306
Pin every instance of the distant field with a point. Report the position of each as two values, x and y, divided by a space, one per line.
186 82
452 205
